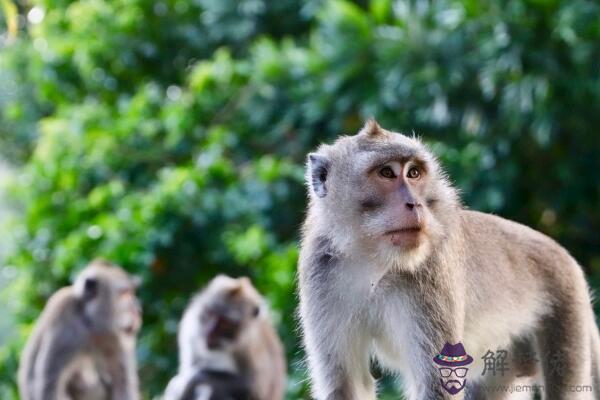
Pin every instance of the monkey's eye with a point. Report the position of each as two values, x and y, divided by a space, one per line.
413 173
255 311
387 172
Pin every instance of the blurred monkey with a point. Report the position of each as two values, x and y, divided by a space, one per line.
228 348
83 345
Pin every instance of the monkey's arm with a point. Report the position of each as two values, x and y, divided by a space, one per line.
174 388
337 349
38 342
27 364
221 385
187 335
183 385
57 349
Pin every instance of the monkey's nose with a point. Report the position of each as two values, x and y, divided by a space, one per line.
410 205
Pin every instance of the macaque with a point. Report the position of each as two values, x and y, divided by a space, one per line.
393 269
228 348
83 345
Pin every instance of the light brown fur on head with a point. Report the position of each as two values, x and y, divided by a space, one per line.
372 129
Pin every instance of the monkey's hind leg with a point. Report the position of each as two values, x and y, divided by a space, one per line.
518 382
564 351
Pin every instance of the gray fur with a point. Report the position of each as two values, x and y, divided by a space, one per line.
83 346
254 359
473 278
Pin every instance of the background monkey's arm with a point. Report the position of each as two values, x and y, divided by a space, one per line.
36 349
57 349
27 365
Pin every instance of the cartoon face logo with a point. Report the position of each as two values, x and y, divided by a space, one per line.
451 365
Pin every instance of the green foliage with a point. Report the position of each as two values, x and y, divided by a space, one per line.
170 136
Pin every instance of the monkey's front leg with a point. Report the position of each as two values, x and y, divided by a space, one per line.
336 346
425 380
336 343
55 353
339 362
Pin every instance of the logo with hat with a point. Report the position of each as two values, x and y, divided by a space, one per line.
451 365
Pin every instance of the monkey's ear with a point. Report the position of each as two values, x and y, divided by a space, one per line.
372 128
90 288
318 166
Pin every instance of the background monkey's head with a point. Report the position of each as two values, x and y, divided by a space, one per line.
380 191
229 307
108 298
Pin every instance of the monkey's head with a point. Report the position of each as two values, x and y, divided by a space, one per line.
107 297
382 192
230 306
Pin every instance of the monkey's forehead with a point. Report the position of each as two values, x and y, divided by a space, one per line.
388 144
364 153
388 150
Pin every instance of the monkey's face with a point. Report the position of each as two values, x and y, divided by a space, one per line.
129 309
381 191
235 305
108 297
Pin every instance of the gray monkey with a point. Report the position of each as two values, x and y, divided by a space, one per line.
83 345
392 267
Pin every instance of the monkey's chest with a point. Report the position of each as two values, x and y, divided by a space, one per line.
87 380
394 330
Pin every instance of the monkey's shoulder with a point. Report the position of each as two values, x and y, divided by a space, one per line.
318 257
63 309
61 302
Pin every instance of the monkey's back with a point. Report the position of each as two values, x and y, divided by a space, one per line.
515 272
516 248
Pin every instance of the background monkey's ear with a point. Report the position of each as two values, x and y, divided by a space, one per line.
318 166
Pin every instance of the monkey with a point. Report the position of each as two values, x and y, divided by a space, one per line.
83 345
228 348
392 267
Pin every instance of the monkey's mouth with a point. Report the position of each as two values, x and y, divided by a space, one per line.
405 237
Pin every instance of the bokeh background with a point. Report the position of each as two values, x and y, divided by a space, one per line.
169 136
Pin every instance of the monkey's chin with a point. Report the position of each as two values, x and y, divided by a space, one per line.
406 256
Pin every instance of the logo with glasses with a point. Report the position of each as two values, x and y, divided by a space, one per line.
451 364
